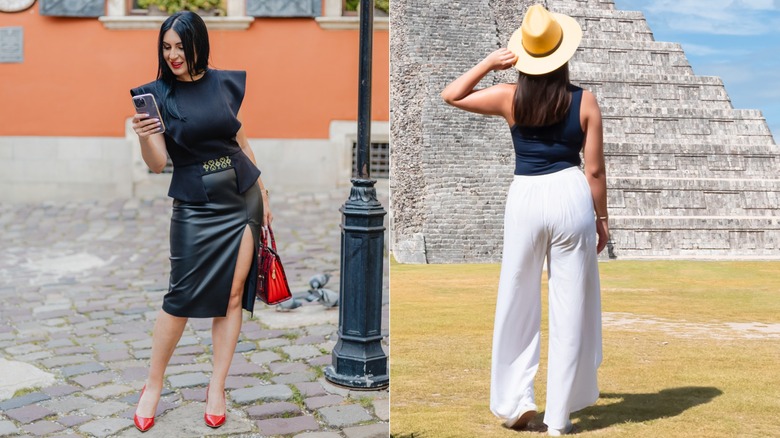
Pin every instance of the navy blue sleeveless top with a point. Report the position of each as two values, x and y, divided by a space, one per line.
548 149
205 140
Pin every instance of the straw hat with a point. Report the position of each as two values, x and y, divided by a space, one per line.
545 41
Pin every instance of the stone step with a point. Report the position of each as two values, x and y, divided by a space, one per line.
609 23
591 65
690 166
640 57
723 115
630 45
725 160
646 124
712 222
715 185
669 196
638 129
705 139
763 151
607 77
644 102
677 211
730 237
622 89
558 5
573 9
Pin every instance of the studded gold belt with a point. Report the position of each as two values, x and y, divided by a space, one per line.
217 164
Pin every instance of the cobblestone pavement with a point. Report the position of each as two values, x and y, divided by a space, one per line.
80 287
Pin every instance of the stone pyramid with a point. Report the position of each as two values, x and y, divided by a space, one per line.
689 176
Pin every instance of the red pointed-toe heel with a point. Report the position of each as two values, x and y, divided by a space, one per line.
214 421
142 423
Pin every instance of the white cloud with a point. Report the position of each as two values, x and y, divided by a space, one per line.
720 17
761 5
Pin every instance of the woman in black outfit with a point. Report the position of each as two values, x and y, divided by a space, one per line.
218 208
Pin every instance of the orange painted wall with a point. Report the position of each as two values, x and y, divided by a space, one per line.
76 76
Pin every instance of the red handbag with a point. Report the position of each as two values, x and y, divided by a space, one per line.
272 287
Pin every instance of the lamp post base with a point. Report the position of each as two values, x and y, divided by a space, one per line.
357 383
359 362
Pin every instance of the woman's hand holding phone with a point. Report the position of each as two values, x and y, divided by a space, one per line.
147 118
146 123
145 126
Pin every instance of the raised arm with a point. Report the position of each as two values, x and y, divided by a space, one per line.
595 170
495 100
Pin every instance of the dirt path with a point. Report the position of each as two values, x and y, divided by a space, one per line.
685 329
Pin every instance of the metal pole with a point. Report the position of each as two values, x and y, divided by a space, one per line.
362 170
359 362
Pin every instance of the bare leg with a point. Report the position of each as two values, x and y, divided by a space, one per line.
225 330
167 332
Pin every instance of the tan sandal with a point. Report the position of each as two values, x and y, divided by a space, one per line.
522 421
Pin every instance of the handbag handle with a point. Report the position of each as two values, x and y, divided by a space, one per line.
264 237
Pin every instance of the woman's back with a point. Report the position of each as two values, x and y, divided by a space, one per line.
547 149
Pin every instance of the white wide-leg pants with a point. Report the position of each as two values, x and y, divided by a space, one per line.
547 216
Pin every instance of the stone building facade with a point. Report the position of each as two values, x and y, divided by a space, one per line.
689 176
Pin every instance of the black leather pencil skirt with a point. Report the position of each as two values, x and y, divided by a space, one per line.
205 238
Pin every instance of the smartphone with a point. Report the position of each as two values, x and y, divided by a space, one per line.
145 104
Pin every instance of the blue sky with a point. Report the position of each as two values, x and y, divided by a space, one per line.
738 40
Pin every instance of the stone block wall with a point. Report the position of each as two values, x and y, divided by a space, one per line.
64 168
688 175
449 169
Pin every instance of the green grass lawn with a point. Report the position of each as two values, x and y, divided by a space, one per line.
691 376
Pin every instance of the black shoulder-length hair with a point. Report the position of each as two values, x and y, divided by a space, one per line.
542 100
195 42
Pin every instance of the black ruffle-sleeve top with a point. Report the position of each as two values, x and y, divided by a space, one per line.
203 140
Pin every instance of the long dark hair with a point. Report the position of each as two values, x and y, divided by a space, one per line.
195 42
542 100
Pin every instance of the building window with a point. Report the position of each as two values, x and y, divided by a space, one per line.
205 8
136 9
342 14
343 135
349 8
378 159
284 8
133 14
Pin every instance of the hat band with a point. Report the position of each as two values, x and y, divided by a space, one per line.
547 53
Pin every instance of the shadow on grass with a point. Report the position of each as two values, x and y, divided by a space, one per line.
637 408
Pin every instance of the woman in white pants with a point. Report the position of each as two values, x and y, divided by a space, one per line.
554 212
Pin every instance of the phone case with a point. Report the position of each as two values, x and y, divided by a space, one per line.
146 104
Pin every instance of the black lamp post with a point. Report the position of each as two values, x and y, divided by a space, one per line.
358 359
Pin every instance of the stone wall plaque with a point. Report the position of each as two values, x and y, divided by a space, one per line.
284 8
72 8
11 45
